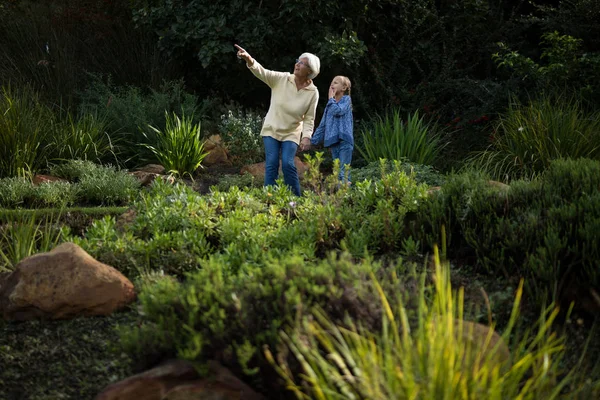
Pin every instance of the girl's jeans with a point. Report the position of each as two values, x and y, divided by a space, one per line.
342 150
288 151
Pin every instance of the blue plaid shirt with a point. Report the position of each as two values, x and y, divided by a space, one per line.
336 124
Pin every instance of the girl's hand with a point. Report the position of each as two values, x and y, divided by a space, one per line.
304 144
331 93
243 54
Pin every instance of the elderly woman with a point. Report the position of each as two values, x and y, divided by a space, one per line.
290 120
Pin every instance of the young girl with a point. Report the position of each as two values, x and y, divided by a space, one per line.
335 129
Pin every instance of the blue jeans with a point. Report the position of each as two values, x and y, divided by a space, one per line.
288 151
342 150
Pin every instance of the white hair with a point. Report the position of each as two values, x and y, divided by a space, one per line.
313 63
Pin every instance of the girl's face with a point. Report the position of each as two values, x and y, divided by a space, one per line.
338 85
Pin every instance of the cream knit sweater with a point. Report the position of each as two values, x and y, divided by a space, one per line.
291 114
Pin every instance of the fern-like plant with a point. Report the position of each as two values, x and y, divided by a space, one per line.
179 147
393 138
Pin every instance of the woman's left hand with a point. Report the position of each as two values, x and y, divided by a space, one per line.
304 144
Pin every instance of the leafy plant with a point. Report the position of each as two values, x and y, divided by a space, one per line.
421 173
179 147
394 139
84 138
407 360
25 236
107 186
529 137
24 123
15 191
241 135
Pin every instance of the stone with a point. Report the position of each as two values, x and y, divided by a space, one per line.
64 283
39 179
153 168
145 178
212 142
217 155
178 380
152 384
258 170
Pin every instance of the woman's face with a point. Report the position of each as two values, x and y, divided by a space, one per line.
301 69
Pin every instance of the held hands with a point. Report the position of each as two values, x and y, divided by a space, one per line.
243 54
304 144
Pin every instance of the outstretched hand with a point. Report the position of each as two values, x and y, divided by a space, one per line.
243 54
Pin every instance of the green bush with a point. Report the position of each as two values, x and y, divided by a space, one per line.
407 360
74 170
231 316
240 181
543 229
393 138
129 110
179 147
16 192
529 137
25 124
421 173
107 186
84 138
55 194
241 135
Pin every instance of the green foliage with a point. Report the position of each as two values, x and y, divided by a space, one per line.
24 236
565 66
107 186
24 123
15 191
394 139
84 138
74 170
529 137
128 111
241 135
240 181
541 229
407 361
179 147
55 194
421 173
217 313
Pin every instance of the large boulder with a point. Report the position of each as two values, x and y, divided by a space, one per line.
178 380
217 153
258 170
63 283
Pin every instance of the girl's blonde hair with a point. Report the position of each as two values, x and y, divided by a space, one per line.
346 82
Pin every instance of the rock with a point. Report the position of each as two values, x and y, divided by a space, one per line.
258 170
217 155
178 380
152 384
63 283
498 185
153 169
39 179
126 218
212 142
145 178
476 334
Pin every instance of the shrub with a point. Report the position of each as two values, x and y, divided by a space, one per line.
129 110
541 229
15 192
55 194
407 360
241 135
24 236
529 137
179 147
394 139
421 173
74 170
240 181
84 138
24 127
231 316
107 186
